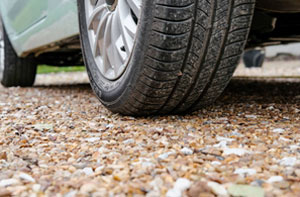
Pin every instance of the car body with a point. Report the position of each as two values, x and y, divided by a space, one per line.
37 27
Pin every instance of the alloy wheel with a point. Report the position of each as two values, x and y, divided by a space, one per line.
112 26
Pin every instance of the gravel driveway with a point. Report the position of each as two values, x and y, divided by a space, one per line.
56 139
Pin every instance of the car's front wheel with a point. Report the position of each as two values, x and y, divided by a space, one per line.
162 56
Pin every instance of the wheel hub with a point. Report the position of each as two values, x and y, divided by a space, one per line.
112 25
111 4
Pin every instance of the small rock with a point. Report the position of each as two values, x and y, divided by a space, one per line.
220 138
88 171
217 189
288 161
251 116
245 191
187 151
198 188
42 127
235 151
129 141
26 177
275 179
93 139
297 172
165 155
5 193
88 188
278 130
3 156
72 193
245 171
36 188
282 184
180 186
216 163
8 182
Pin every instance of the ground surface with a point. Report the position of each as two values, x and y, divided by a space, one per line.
57 139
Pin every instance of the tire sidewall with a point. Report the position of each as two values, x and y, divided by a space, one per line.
114 93
2 51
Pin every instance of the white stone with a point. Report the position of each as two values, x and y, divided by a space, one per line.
274 179
165 155
235 151
99 169
245 171
180 186
129 141
26 177
186 151
221 144
288 161
8 182
251 116
220 139
216 163
173 193
88 171
36 188
93 139
278 130
217 189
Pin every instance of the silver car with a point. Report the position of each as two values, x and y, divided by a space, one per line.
143 57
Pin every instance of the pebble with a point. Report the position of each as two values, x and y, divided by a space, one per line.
245 171
165 155
8 182
88 171
93 139
278 130
186 151
275 179
217 189
129 141
180 186
26 177
288 161
235 151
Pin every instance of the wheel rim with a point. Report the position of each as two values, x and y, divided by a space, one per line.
112 26
1 52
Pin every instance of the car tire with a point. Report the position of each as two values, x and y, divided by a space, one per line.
254 58
184 55
14 71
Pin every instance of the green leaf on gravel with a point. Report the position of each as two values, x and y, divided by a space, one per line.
245 191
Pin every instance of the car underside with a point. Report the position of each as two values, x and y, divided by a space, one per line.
275 22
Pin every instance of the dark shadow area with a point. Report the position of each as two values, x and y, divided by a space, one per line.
261 91
239 90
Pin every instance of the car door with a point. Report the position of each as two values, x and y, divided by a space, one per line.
22 14
35 24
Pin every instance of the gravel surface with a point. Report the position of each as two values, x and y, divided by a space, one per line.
56 139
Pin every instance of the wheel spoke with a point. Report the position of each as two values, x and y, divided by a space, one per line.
112 28
106 40
95 13
98 33
135 6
